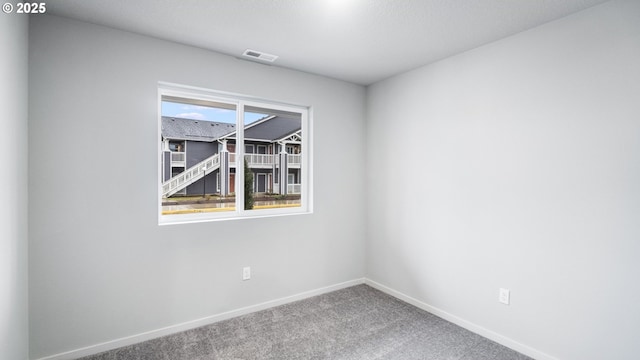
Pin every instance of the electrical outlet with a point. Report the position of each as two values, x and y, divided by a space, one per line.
246 273
504 296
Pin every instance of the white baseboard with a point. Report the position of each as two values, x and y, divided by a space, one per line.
500 339
134 339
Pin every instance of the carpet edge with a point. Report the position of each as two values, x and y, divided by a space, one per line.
192 324
482 331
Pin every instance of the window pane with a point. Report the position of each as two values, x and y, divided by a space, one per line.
273 158
196 172
223 156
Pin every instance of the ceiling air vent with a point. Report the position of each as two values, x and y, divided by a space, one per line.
258 55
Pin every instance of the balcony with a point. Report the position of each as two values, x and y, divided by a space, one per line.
178 159
266 161
295 189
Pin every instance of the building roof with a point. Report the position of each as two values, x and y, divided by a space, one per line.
269 129
272 128
195 130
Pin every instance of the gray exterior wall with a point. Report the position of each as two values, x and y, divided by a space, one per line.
199 187
197 151
296 173
255 146
166 164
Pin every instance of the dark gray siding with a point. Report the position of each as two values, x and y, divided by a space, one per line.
196 152
198 187
166 171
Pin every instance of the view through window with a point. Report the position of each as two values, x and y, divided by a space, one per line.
226 157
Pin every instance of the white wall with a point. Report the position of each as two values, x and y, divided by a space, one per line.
517 165
14 32
100 266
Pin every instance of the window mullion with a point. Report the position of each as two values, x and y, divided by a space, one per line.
306 160
240 158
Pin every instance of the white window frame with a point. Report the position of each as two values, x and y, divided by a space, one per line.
240 101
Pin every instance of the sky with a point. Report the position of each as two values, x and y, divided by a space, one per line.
206 113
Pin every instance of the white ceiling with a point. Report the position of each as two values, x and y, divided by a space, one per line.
360 41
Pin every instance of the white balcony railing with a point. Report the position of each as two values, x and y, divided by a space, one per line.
266 161
294 188
259 160
295 160
291 188
178 159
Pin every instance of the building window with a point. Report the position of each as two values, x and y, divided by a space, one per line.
213 158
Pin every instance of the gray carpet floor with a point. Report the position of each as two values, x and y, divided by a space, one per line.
351 324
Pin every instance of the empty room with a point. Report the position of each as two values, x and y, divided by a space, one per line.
327 179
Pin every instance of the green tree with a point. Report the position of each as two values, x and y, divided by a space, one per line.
248 187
